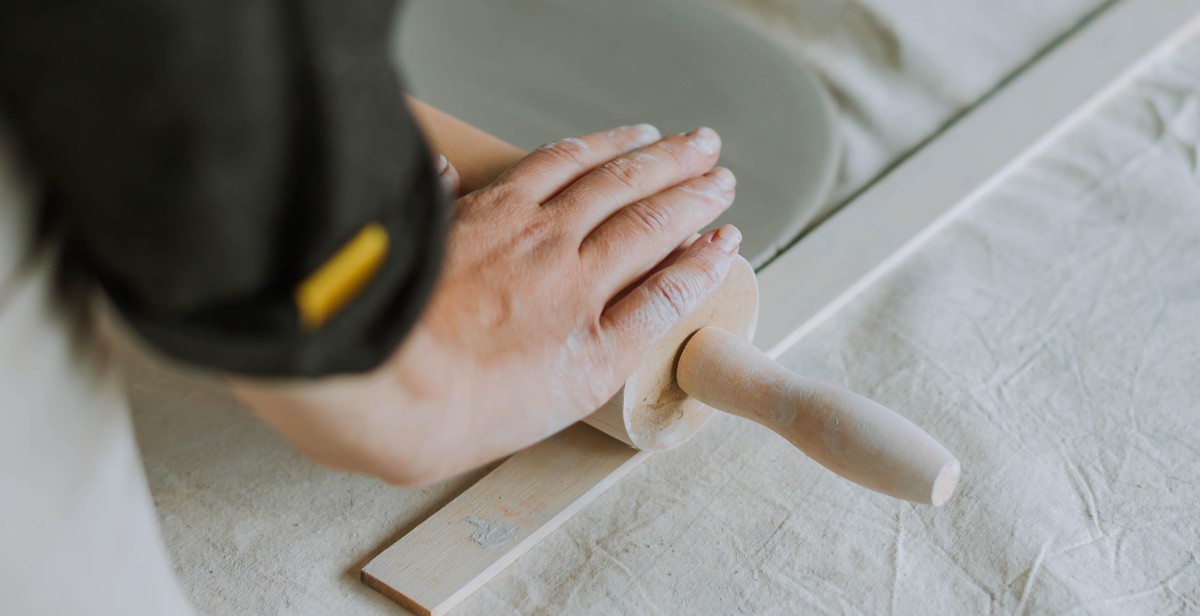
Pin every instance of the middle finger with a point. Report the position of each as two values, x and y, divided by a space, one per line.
597 195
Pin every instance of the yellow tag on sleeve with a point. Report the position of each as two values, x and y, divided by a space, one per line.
340 279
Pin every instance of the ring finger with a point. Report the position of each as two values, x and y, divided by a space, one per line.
639 236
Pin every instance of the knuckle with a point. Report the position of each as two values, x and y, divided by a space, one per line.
566 151
649 220
624 172
706 270
676 295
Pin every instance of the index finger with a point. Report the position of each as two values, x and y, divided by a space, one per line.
552 167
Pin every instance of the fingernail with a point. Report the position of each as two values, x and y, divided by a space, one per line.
728 237
442 164
705 140
643 135
723 178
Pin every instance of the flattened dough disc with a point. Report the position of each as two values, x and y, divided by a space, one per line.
531 71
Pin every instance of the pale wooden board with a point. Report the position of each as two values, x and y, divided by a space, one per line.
438 564
452 553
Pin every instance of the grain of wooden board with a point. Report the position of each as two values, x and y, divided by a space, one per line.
490 525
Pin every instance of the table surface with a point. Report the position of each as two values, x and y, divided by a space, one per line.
1050 337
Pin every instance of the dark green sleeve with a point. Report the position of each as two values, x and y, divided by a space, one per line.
201 158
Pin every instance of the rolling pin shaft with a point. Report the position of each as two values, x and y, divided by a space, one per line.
849 434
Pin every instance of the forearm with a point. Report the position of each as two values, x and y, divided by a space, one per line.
409 445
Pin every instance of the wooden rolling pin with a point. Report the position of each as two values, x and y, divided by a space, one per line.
707 361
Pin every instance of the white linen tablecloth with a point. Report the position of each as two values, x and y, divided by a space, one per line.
1050 338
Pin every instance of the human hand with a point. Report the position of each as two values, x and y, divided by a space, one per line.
558 277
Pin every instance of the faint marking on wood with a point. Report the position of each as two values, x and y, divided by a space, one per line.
490 525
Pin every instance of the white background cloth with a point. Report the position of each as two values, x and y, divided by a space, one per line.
1050 338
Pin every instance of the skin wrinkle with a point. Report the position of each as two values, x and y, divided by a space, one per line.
647 320
627 170
667 301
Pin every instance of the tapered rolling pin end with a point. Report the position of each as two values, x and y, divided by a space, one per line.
888 453
849 434
945 484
